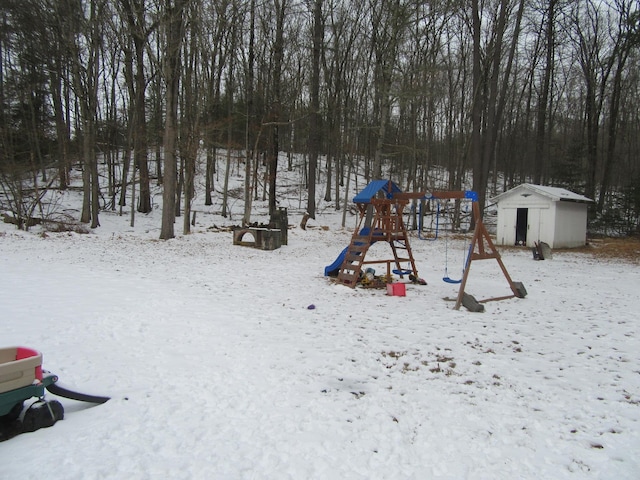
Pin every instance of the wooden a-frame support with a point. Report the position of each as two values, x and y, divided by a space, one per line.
483 248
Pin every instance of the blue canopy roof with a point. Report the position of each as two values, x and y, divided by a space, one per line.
371 190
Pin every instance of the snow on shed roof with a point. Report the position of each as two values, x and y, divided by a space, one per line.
373 188
556 194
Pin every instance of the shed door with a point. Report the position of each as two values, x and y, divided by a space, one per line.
522 224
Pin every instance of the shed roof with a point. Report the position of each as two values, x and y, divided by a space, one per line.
555 194
375 186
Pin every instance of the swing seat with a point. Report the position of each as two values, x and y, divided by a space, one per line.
402 272
451 280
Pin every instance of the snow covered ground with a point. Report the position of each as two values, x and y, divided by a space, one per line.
217 368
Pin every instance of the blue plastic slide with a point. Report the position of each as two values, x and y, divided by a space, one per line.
332 270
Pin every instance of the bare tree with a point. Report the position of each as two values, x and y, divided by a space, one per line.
491 86
596 61
342 60
174 34
58 72
549 20
280 7
625 38
191 104
249 125
86 51
235 16
315 119
390 22
134 15
422 90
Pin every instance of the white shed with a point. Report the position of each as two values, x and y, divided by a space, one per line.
533 213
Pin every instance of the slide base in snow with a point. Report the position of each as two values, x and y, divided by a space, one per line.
333 269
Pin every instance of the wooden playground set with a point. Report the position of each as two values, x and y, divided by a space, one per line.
381 205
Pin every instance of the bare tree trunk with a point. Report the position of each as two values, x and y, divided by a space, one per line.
85 75
191 109
209 169
94 71
87 153
174 14
278 48
496 95
227 169
134 12
389 26
315 118
231 46
543 102
132 213
477 104
95 185
346 194
249 150
61 128
189 189
622 49
140 139
596 67
180 181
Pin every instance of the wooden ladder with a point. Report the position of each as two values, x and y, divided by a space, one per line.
401 243
351 267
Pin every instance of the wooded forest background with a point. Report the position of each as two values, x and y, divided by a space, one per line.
488 92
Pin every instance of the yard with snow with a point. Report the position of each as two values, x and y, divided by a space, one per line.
218 369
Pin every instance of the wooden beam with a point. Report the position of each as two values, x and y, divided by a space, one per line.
444 194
